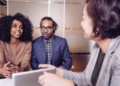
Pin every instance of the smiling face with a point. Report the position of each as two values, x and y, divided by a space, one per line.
16 29
87 24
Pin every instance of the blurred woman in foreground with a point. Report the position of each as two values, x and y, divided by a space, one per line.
101 23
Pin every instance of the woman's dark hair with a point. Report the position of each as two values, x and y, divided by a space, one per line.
6 24
53 22
106 17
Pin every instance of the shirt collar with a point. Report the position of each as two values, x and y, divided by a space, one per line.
49 40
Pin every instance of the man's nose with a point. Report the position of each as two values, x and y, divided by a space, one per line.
45 30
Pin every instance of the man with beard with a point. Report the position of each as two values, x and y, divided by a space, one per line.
49 48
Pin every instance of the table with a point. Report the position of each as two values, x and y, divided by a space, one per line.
6 82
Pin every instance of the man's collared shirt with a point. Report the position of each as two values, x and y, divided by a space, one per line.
48 45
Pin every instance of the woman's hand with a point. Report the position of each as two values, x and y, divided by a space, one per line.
49 79
7 70
15 69
43 66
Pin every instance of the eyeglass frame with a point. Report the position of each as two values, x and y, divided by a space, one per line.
48 28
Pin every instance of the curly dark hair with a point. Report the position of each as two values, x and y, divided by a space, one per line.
6 24
53 22
106 17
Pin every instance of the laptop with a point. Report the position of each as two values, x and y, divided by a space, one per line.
29 78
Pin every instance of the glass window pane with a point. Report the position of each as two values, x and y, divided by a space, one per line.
73 31
57 13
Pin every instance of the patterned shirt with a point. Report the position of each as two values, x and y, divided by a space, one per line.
48 45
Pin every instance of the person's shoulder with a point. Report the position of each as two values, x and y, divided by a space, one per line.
117 50
25 43
1 42
29 43
37 39
116 47
116 55
59 38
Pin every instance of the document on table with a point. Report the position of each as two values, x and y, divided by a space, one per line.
6 82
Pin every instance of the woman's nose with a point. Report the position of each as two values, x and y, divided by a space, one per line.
18 28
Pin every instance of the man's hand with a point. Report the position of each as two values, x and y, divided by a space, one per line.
61 67
43 66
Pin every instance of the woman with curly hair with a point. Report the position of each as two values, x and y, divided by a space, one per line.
15 44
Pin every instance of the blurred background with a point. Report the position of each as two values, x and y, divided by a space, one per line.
67 14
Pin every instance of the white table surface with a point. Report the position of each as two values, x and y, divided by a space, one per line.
6 82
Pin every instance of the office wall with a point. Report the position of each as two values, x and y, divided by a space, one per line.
3 11
67 16
34 11
57 13
74 32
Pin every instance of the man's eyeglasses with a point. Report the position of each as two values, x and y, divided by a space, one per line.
49 28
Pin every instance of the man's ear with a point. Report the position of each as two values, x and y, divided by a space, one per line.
54 27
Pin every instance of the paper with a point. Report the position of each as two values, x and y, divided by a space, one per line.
6 82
